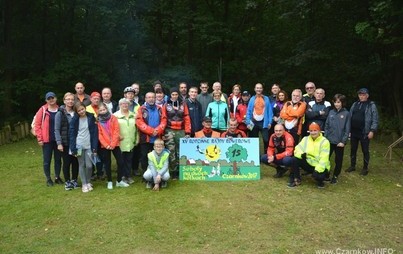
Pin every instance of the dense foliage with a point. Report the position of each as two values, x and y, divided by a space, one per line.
339 44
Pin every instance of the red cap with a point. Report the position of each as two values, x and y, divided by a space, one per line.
95 94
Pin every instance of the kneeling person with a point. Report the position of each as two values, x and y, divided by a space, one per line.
280 150
157 171
312 155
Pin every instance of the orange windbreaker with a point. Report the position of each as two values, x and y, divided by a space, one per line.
291 112
109 137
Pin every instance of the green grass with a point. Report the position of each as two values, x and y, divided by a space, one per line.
199 217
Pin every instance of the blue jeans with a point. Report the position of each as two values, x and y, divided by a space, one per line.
47 150
286 161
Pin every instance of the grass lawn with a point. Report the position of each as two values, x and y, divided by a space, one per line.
199 217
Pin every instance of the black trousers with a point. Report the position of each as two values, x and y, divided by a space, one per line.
106 156
254 133
364 147
145 149
301 163
67 161
339 153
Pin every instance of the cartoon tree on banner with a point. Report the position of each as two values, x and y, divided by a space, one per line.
236 153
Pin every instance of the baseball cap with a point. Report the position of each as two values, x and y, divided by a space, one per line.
363 90
50 94
245 93
95 94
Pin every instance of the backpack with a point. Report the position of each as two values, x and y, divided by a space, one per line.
33 122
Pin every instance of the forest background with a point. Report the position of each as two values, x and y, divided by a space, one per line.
341 45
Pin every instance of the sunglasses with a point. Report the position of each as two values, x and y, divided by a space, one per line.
309 88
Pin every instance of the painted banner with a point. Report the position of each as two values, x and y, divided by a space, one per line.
219 159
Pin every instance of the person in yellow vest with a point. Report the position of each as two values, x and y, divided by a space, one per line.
312 155
157 172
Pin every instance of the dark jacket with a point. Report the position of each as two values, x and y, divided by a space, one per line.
371 117
312 113
73 131
337 126
196 116
62 123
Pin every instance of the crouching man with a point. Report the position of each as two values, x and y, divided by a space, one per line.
280 151
312 155
157 172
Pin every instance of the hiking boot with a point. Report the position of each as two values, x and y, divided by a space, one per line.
49 183
321 185
293 184
334 180
110 186
75 184
149 185
350 169
280 172
58 180
164 184
68 185
364 172
122 184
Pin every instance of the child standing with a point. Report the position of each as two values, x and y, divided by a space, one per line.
109 137
83 134
157 171
337 129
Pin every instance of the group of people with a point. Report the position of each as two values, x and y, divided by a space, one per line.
145 130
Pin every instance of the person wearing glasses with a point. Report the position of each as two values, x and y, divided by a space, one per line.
204 97
45 135
310 92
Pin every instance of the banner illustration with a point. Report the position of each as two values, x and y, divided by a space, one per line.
219 159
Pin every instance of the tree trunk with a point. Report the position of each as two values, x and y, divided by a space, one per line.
234 167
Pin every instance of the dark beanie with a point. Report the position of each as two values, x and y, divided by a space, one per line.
174 90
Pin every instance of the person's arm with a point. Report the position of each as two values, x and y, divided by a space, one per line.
142 125
58 124
163 122
38 125
164 167
186 120
289 149
374 118
73 135
323 157
347 128
115 132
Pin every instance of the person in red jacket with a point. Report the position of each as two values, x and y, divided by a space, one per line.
178 126
109 139
241 109
280 150
150 121
45 135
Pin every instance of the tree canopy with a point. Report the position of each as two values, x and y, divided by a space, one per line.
340 45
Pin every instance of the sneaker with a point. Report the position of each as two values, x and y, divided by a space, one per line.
334 180
350 169
110 186
49 183
89 187
124 179
58 180
149 185
122 184
164 184
364 172
68 185
291 185
130 180
75 184
321 185
85 188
